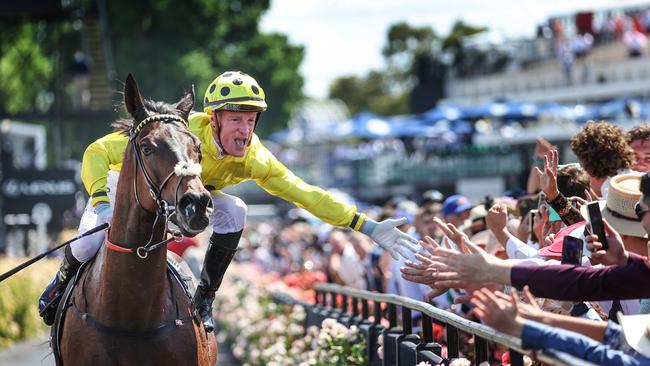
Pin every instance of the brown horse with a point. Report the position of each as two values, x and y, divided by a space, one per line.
124 309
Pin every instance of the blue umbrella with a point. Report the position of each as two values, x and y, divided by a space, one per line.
613 109
518 110
364 125
410 126
482 111
462 127
444 112
503 109
585 112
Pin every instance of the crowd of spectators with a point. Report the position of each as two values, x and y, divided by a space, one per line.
475 254
595 29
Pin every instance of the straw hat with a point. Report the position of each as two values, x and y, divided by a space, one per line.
618 210
636 329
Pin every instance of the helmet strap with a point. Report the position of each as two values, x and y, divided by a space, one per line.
257 118
216 117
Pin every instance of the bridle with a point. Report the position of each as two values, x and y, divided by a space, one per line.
165 210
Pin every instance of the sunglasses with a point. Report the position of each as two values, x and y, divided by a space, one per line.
639 211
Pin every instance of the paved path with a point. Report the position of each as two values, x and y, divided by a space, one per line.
36 351
33 352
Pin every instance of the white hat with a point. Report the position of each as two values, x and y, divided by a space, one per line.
618 209
636 329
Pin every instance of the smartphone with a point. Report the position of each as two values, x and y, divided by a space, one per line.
596 223
531 226
572 250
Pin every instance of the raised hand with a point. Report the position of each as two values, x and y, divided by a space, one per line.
497 218
458 237
548 177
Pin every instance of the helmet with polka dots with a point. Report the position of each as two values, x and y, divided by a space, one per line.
234 91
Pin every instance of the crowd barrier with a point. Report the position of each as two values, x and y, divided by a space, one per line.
403 344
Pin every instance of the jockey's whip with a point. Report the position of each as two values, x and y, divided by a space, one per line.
12 272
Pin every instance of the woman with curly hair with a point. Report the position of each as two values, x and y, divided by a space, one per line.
603 152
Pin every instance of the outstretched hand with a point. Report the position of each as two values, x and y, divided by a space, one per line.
396 242
497 312
445 267
458 237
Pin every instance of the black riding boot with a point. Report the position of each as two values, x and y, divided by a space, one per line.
49 300
220 252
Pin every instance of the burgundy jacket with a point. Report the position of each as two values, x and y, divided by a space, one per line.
569 282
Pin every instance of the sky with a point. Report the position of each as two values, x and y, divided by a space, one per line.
345 37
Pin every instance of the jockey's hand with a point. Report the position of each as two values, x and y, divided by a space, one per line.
104 213
387 236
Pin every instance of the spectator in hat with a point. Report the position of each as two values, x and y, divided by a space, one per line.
456 209
639 140
618 210
431 197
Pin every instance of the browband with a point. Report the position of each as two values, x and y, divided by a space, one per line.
157 117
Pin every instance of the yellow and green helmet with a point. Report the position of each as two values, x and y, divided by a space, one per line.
234 91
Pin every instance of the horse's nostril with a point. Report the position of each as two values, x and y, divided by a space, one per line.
194 204
189 210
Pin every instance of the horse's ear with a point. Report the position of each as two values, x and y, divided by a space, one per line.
132 99
186 103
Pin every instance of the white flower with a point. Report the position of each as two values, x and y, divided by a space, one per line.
460 362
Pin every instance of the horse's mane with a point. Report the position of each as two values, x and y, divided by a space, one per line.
124 125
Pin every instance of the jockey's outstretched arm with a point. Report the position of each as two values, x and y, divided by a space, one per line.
280 181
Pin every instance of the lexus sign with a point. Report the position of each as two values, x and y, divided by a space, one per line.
37 197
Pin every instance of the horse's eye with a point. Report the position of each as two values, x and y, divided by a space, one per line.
146 149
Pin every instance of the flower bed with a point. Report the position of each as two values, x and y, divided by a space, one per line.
19 294
262 332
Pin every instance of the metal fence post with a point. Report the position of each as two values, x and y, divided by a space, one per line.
452 342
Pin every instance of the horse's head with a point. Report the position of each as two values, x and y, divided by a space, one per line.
167 160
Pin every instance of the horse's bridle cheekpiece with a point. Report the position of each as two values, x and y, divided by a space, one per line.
165 210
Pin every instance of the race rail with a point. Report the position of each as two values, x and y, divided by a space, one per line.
402 344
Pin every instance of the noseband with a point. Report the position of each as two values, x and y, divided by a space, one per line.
165 210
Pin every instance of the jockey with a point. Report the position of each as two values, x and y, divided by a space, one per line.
231 153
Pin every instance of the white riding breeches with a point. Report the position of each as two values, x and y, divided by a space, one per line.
85 248
228 216
228 213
